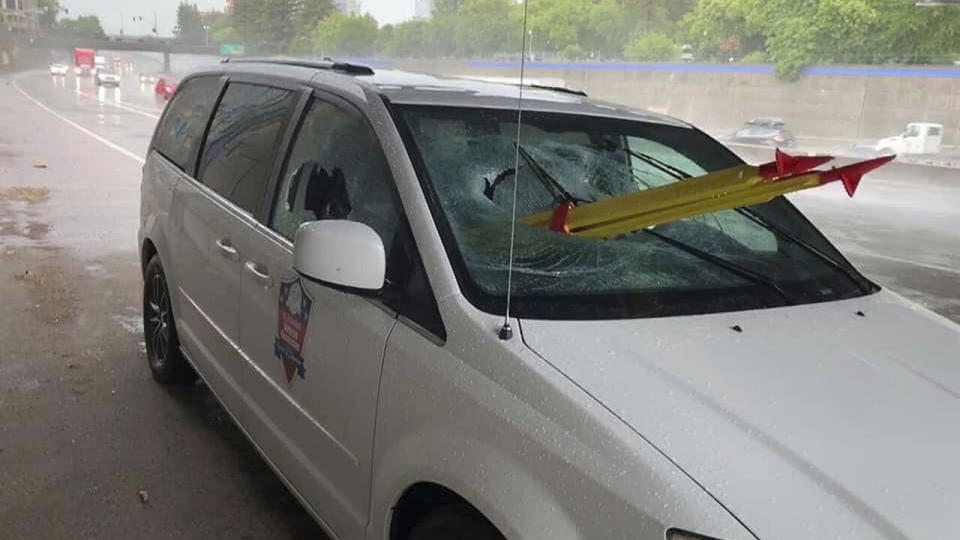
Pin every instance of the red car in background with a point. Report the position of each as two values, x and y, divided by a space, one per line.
166 86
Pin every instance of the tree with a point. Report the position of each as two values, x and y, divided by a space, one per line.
340 34
189 24
485 27
798 33
307 15
653 47
85 26
49 9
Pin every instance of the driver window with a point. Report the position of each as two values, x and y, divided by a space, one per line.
336 170
912 132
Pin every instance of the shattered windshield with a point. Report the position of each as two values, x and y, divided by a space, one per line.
719 261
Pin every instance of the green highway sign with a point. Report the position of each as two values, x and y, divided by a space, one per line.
231 49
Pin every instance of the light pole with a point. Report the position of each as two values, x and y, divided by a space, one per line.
532 59
206 35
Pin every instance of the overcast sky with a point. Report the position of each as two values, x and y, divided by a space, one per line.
110 12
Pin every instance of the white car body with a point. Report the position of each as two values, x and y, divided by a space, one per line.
107 78
918 138
826 420
59 69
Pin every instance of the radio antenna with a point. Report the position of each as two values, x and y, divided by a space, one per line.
506 332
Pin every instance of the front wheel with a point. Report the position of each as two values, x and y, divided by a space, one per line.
159 329
454 523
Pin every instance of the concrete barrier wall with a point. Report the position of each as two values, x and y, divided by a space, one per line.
841 102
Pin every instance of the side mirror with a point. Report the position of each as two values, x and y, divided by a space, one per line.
340 253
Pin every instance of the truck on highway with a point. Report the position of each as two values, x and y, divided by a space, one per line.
918 138
99 62
83 61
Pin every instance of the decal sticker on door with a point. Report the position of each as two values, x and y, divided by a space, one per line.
293 316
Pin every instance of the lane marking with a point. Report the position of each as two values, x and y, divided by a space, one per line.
119 105
82 129
900 260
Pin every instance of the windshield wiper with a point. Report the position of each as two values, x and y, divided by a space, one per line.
731 267
658 164
790 237
548 181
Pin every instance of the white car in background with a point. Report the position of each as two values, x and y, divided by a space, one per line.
59 70
107 77
328 248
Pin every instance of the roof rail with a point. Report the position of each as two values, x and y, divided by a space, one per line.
562 89
345 67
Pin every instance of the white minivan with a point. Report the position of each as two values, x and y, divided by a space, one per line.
329 249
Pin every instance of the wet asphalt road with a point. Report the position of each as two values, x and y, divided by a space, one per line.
83 429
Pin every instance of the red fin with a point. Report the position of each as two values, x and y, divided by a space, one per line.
787 165
851 175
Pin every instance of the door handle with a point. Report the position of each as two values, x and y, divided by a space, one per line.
227 250
259 273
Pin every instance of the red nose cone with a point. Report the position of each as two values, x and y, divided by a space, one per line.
852 174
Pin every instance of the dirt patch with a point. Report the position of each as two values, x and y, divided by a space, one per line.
29 194
53 303
34 230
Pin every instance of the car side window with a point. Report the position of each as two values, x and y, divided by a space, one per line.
243 142
336 170
182 127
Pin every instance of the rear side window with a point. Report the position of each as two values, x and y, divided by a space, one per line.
336 170
243 141
182 129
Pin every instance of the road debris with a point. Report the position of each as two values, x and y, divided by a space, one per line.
144 497
29 194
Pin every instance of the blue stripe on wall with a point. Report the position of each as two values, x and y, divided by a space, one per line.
726 68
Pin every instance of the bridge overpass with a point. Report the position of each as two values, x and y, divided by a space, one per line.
166 47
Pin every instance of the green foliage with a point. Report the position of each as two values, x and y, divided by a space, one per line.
85 26
48 10
798 33
756 57
791 34
339 35
279 26
189 24
653 47
573 52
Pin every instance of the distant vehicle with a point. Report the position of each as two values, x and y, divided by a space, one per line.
766 131
107 77
148 78
919 138
99 62
687 53
83 61
166 86
59 69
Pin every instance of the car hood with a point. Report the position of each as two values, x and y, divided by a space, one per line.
805 422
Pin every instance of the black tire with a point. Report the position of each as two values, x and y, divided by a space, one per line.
159 328
454 523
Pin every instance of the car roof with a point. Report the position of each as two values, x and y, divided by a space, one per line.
406 88
419 89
